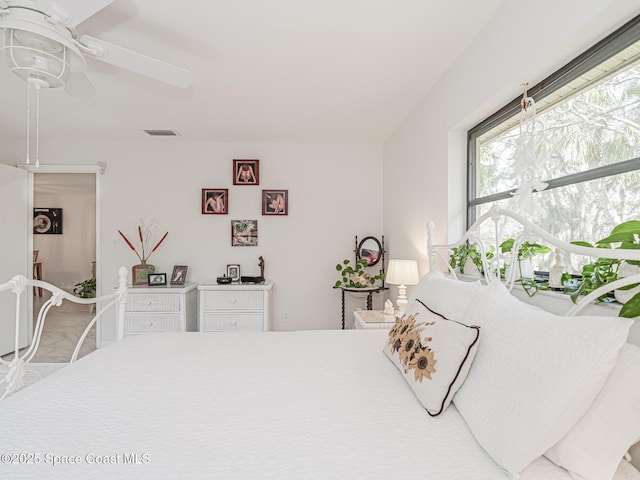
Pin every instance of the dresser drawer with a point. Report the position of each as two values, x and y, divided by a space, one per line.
222 322
144 323
233 300
153 303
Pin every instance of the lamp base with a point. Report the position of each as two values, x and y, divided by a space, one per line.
402 299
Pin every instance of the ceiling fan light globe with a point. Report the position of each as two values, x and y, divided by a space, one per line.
37 49
27 62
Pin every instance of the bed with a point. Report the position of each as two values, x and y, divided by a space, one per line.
308 404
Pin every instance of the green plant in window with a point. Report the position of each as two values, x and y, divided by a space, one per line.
605 270
526 251
461 253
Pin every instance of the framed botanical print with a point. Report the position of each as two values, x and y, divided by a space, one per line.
244 233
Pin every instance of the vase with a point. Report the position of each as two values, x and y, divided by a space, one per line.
471 269
140 273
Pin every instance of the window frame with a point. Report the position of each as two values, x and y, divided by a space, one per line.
612 44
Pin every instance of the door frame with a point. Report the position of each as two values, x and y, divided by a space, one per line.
98 170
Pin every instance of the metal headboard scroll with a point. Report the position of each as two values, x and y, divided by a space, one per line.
19 285
492 266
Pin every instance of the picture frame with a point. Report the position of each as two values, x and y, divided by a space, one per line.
157 279
244 233
215 201
246 172
275 202
233 272
179 275
47 221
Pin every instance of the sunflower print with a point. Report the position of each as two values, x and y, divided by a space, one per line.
399 330
410 343
423 364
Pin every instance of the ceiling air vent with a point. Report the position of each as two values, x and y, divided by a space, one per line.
162 133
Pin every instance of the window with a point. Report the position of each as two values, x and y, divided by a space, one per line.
587 133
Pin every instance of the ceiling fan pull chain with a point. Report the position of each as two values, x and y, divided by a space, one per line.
28 121
37 125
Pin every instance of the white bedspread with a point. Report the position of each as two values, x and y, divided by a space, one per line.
288 405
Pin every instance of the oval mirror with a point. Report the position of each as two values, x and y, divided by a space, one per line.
370 249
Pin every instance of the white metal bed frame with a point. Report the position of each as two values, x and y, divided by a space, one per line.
529 231
20 285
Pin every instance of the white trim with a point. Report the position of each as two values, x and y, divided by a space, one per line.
98 170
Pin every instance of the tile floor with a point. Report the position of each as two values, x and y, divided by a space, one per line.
62 330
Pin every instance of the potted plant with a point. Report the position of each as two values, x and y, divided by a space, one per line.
606 270
526 273
356 276
85 289
467 259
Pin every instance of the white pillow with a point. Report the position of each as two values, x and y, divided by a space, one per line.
535 374
594 447
434 354
447 296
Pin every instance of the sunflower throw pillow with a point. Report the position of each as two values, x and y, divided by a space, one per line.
433 353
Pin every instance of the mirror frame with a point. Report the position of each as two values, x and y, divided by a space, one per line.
361 244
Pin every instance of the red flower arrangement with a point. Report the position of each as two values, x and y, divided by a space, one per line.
145 237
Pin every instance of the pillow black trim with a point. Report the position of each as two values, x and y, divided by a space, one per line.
464 360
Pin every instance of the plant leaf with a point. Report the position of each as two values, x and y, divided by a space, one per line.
617 237
580 243
507 245
631 308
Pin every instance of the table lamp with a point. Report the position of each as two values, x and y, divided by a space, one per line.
402 273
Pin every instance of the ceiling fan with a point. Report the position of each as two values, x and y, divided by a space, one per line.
43 49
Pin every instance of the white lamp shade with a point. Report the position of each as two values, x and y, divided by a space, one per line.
403 272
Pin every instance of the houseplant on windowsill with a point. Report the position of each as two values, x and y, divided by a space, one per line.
146 237
606 270
467 259
525 274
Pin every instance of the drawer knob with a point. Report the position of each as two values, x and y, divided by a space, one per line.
235 300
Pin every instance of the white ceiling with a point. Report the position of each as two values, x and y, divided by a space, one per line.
294 71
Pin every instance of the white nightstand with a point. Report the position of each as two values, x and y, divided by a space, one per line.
237 306
160 309
373 319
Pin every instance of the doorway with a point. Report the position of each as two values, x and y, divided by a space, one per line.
65 251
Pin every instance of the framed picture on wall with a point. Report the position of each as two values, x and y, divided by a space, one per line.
275 202
215 201
244 233
47 221
246 172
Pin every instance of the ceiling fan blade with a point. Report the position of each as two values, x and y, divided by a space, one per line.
79 85
137 62
71 12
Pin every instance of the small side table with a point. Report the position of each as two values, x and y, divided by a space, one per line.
368 292
373 319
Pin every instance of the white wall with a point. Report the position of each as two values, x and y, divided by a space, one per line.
335 193
425 159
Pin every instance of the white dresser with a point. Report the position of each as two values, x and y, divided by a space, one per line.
234 307
160 309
